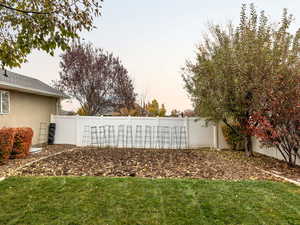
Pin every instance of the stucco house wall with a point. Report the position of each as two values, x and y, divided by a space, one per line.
29 110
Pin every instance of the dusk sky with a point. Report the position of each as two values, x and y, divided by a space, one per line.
153 38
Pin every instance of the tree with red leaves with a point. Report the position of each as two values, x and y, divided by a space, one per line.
276 118
97 79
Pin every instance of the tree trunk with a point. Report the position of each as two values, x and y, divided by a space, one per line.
248 146
292 159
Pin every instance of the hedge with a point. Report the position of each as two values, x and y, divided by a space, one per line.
22 142
6 143
15 143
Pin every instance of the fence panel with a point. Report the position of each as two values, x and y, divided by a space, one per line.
65 129
271 152
154 132
76 130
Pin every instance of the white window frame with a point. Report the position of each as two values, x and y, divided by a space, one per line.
1 93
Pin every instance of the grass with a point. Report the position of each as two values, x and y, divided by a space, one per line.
92 200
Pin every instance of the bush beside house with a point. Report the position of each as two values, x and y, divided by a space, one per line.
22 142
15 143
6 143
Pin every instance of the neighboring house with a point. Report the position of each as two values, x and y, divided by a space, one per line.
26 102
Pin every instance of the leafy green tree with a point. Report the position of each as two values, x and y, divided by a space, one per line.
153 109
162 111
44 25
233 63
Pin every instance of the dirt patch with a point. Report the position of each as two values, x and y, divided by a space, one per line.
11 165
146 163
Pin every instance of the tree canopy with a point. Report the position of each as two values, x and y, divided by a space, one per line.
275 120
44 25
236 64
154 109
97 79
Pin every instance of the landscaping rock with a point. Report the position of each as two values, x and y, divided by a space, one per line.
10 166
151 163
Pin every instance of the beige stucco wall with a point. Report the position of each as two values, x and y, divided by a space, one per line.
28 110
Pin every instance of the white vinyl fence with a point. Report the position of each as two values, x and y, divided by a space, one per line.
271 152
144 132
135 132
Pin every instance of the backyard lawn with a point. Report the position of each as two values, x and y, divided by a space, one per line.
94 200
67 185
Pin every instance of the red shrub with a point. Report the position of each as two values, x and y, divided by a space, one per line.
22 142
6 142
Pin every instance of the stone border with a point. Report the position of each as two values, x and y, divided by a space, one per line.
281 177
2 178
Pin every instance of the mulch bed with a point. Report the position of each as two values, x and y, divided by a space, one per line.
11 165
149 163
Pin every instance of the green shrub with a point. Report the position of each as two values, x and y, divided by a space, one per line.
234 140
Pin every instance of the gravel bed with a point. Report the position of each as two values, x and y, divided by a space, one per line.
11 165
266 163
147 163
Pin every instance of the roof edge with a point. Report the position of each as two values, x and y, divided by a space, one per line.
10 86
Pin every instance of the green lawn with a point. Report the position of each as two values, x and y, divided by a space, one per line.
91 200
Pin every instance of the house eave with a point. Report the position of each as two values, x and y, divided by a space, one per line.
30 90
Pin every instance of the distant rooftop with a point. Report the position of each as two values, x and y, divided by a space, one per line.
14 81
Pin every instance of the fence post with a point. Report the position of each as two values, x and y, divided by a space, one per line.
156 133
77 117
216 135
187 125
129 121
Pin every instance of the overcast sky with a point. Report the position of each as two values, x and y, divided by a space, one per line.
153 38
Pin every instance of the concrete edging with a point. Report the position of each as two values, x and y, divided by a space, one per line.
29 163
37 160
282 177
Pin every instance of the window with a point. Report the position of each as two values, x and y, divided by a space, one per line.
4 102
